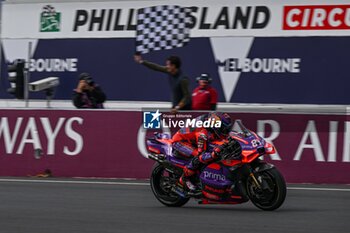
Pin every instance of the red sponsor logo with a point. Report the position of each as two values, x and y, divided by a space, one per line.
316 17
211 196
214 189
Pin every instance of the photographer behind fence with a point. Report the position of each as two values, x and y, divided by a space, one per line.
88 94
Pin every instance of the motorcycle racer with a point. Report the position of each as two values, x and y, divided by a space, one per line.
193 143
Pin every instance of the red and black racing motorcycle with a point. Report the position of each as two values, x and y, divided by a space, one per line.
229 181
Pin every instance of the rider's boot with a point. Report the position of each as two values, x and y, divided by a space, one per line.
190 186
187 181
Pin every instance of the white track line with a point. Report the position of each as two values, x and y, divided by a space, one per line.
318 189
73 182
141 184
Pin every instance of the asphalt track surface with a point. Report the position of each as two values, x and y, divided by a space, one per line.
99 206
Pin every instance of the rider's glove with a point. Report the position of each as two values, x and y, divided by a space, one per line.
235 149
195 164
228 150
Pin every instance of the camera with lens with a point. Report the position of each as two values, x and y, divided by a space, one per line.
87 78
89 81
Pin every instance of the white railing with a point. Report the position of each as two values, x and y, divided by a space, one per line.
228 107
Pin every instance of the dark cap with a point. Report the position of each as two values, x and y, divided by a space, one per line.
84 76
204 77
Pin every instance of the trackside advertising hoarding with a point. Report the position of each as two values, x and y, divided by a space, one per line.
291 70
289 52
311 148
208 18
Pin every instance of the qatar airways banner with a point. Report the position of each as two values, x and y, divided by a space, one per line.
311 148
287 70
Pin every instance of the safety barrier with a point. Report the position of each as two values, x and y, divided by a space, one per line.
312 148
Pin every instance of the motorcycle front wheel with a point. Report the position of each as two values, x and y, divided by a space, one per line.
272 191
161 183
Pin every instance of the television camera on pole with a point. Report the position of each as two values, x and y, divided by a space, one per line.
47 85
20 88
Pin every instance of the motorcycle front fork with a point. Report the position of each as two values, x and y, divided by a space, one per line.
260 183
256 182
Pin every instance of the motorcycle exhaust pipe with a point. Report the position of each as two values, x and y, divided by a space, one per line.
160 158
239 188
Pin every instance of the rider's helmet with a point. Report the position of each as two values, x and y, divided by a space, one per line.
226 123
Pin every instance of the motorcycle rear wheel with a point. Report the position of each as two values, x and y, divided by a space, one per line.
273 194
161 184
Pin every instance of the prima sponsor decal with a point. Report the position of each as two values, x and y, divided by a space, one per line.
316 17
214 176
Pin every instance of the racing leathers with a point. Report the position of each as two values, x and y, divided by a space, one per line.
193 143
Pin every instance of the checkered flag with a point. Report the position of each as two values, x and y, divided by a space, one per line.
162 27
